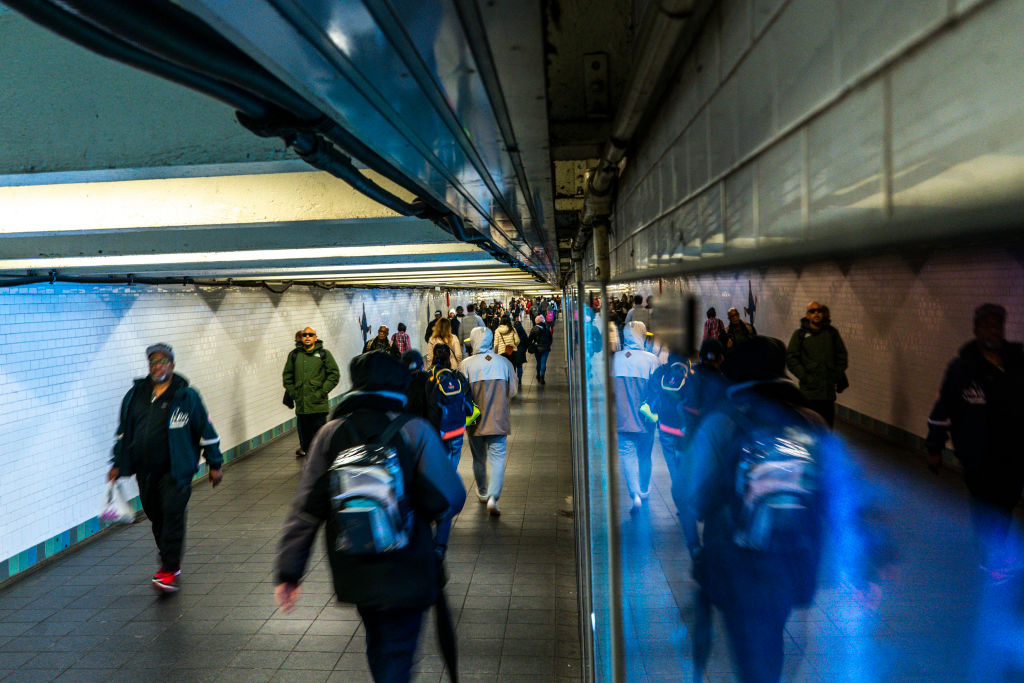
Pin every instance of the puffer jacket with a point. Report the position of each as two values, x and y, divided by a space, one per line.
309 376
632 368
817 358
505 336
493 381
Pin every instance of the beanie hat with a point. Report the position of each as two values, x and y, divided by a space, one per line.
413 360
161 348
378 371
989 309
758 358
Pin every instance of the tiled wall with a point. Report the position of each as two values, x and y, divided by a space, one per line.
68 355
795 117
902 320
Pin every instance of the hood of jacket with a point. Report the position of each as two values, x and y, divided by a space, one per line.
177 383
634 335
482 340
971 351
504 329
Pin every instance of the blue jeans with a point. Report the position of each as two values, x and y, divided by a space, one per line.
635 453
542 362
488 450
391 637
453 448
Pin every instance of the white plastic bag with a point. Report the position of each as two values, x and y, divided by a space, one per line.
116 509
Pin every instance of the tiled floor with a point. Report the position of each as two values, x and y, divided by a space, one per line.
92 616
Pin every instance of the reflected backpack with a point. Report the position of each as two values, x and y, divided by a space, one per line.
447 403
549 316
366 487
777 483
670 399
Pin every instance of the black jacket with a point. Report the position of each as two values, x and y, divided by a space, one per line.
981 408
406 578
540 339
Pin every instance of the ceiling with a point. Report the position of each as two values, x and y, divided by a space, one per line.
486 110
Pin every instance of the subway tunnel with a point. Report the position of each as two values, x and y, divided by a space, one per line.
217 175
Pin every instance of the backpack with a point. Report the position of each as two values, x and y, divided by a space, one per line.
447 403
776 486
366 486
670 399
550 316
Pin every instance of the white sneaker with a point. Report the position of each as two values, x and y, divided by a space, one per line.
492 507
482 497
636 504
644 495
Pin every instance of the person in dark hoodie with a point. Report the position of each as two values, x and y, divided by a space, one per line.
981 404
390 590
540 345
817 357
416 392
163 429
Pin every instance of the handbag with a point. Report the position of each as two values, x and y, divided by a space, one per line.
288 400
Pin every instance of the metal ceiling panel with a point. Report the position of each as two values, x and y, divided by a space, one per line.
416 81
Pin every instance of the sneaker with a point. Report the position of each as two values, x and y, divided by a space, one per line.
644 495
166 582
492 507
299 453
482 497
637 503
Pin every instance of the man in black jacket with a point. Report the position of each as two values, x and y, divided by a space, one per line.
391 590
981 405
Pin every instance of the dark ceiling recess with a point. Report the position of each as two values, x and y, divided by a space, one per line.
589 59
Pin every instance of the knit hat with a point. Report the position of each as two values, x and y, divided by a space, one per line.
989 309
758 358
378 371
160 347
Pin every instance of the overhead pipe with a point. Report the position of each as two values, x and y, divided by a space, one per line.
659 39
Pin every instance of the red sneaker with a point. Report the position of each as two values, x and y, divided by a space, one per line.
165 581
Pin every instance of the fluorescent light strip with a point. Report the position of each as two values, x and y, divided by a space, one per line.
234 256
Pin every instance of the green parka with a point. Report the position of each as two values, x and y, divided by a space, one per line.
309 376
817 358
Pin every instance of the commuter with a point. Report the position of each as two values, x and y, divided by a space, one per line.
817 357
309 375
738 330
381 343
470 323
981 405
632 368
416 392
493 382
430 326
522 344
450 407
506 341
454 321
443 335
162 431
400 340
391 590
713 327
639 313
755 582
540 346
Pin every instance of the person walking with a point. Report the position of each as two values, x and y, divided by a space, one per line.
506 341
429 332
470 322
981 405
443 335
493 382
817 357
309 375
400 341
713 327
522 345
163 430
391 590
381 343
540 342
632 368
738 330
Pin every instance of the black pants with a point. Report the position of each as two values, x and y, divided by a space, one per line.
391 637
308 426
756 635
827 409
164 502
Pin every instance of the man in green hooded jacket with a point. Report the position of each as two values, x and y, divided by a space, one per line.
309 375
817 357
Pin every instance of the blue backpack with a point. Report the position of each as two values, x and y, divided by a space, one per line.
447 403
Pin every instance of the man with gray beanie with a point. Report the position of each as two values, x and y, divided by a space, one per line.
981 405
163 429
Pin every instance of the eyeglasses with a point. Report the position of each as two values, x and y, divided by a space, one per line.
309 334
160 361
815 310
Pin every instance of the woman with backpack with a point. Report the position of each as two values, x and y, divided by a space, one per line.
442 334
540 345
449 401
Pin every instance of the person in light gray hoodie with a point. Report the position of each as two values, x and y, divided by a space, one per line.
632 368
493 382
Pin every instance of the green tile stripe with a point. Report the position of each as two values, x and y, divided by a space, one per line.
65 540
891 433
